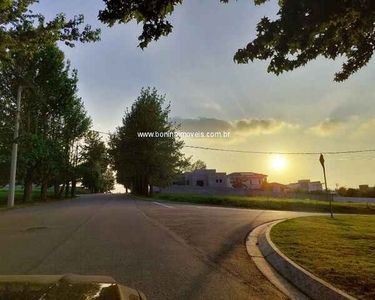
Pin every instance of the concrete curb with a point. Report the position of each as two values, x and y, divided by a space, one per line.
252 247
312 286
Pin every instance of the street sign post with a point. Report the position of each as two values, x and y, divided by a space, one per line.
322 162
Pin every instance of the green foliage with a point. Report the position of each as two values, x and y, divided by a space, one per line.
151 13
351 192
22 31
139 161
302 31
53 118
94 167
198 165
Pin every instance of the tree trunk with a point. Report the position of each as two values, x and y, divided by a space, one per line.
73 189
43 190
28 187
151 190
62 191
57 189
67 188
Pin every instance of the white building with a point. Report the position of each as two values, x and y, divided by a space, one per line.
306 185
246 180
205 178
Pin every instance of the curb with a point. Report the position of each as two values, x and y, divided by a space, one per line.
252 247
312 286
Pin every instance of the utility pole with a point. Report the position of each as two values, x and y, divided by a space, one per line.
13 168
325 182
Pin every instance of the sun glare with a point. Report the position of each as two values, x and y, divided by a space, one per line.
278 163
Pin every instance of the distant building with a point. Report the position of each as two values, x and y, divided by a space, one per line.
364 188
306 185
276 187
205 178
246 180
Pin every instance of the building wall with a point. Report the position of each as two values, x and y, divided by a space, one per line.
306 185
251 183
209 178
315 186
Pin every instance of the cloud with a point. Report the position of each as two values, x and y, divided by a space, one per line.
243 127
260 126
203 124
327 127
211 106
367 127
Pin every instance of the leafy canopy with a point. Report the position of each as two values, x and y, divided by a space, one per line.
143 161
22 31
302 31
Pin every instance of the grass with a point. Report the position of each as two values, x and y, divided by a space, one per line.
268 203
341 250
35 198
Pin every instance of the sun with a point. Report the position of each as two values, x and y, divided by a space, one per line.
278 163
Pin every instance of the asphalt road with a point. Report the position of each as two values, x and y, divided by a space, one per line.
167 251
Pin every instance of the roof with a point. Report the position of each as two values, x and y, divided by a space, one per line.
277 184
247 174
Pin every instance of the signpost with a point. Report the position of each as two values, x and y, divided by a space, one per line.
321 159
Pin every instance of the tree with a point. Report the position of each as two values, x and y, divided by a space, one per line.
108 181
53 119
23 38
198 165
238 183
143 162
302 31
95 174
352 192
22 31
342 191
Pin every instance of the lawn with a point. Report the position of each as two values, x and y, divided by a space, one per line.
35 197
341 250
268 203
18 196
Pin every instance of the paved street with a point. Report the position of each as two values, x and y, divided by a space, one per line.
168 251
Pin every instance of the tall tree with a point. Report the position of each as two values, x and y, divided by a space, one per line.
301 31
53 119
24 36
95 164
142 162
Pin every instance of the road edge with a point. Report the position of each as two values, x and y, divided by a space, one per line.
311 285
253 250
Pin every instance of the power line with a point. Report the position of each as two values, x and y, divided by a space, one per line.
281 153
270 152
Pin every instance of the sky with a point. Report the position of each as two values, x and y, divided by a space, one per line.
301 111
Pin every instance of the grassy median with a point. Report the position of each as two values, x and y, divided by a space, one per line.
339 250
268 203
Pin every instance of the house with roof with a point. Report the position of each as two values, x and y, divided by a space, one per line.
276 187
246 180
205 178
305 185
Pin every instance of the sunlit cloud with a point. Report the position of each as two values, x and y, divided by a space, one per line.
243 127
327 127
367 127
